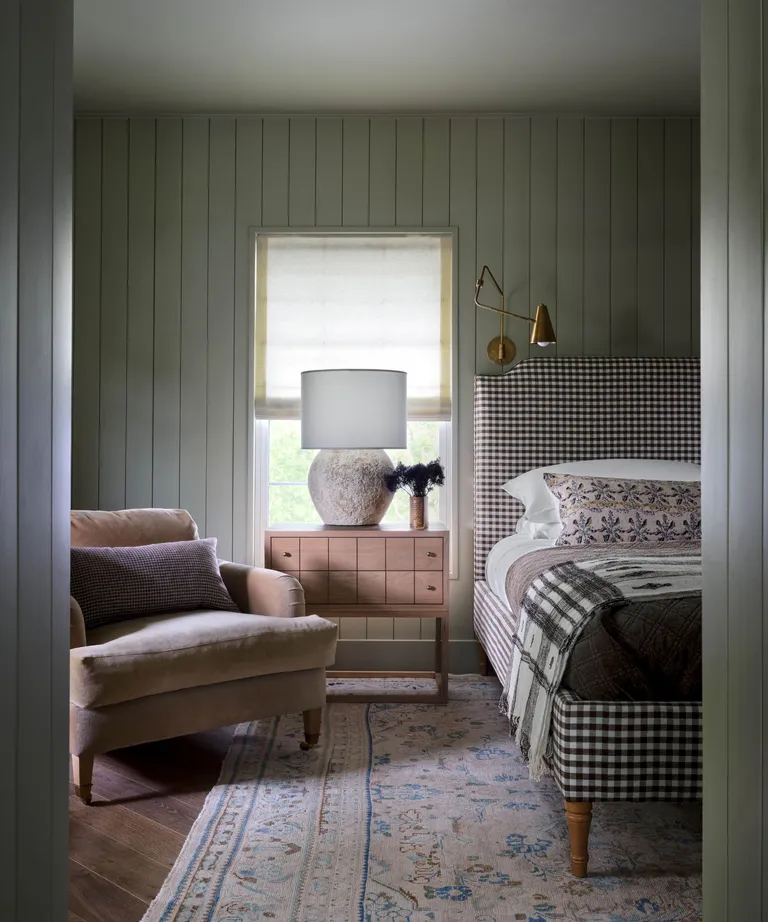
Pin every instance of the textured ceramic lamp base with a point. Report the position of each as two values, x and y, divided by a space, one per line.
348 488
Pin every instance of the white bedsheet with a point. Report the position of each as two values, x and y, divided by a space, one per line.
503 554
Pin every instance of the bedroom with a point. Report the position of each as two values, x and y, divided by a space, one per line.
586 201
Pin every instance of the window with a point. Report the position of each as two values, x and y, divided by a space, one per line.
354 301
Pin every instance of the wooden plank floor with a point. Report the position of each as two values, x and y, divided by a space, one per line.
145 800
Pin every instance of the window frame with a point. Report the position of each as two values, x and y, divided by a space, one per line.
258 430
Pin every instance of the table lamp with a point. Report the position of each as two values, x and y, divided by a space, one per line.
352 414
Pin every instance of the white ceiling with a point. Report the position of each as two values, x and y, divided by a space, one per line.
638 57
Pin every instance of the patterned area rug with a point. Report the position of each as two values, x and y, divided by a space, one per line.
414 812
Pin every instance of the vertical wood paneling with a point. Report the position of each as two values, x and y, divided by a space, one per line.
544 220
490 232
140 394
328 173
194 320
436 193
677 237
695 239
517 229
274 187
650 237
301 171
382 172
546 203
86 354
624 237
221 321
114 314
167 364
248 206
409 171
354 175
463 204
570 236
35 361
597 237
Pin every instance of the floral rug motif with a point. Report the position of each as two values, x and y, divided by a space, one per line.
418 813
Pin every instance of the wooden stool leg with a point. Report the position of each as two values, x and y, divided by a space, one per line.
312 720
482 656
578 813
82 775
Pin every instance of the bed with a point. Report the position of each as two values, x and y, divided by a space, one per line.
546 411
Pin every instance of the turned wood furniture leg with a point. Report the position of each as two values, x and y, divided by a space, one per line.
82 775
578 813
483 659
312 720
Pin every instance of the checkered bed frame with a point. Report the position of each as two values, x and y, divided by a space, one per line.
546 411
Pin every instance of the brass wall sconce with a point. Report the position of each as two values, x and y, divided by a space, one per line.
501 350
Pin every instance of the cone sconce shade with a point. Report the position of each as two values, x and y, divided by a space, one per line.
543 333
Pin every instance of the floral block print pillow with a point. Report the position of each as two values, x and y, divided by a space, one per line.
601 510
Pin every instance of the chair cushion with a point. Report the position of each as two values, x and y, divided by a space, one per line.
115 583
162 653
129 527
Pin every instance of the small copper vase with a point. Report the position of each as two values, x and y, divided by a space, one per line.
418 511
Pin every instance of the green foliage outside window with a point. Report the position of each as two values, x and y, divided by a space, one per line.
289 499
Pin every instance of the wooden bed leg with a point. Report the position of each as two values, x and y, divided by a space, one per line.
483 658
578 813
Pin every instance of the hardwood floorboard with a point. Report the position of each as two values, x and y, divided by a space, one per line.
162 808
151 839
96 899
145 800
121 865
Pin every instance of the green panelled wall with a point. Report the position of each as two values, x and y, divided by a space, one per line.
598 218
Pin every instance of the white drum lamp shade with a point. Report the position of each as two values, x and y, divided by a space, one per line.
353 408
352 414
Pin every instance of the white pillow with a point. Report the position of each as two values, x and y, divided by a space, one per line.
542 512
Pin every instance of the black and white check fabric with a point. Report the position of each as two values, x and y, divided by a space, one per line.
117 583
618 750
547 411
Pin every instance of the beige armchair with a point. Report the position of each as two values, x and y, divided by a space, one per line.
160 676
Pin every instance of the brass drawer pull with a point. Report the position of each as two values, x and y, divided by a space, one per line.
287 554
431 554
431 589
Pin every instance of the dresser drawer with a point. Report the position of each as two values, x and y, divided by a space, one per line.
399 553
400 587
428 553
284 553
342 587
315 584
342 553
313 553
371 554
428 588
371 587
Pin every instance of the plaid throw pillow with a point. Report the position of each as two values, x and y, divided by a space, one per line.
117 583
603 510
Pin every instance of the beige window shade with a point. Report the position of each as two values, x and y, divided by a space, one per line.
353 302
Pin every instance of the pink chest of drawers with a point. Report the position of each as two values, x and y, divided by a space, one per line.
380 571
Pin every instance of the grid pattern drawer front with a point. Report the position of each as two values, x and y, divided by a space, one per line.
342 587
371 554
428 553
285 554
315 583
342 553
400 587
371 587
399 553
428 588
313 553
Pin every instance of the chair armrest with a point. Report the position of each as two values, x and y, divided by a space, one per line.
76 625
263 592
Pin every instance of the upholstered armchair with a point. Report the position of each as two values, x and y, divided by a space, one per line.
163 675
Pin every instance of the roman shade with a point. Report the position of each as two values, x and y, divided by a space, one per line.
353 301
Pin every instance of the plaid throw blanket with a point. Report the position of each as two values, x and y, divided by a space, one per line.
555 609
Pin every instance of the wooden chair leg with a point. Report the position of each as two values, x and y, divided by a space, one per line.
483 658
312 720
82 775
578 813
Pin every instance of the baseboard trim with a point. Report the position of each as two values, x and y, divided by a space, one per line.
406 655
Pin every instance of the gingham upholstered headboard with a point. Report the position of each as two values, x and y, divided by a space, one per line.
547 411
